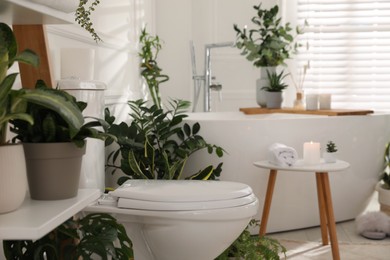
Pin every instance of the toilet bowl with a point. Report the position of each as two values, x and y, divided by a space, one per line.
183 219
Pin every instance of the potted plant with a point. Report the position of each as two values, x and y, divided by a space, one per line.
156 145
383 186
12 107
330 152
247 246
95 236
267 46
274 89
53 145
150 71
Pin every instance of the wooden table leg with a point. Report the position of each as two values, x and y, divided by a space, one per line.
321 206
267 202
330 216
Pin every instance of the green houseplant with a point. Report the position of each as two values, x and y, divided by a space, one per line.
247 246
150 71
156 145
267 45
53 147
383 186
330 152
13 105
274 89
89 237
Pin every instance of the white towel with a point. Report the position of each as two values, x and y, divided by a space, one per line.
282 155
66 6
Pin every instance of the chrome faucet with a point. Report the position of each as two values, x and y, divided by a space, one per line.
207 73
206 78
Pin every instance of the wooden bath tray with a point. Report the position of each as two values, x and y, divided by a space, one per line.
332 112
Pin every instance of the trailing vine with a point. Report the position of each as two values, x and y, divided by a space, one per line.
83 13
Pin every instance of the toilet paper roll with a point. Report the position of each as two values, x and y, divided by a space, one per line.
77 63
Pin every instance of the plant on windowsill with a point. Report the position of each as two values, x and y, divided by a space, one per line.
89 237
330 153
268 45
274 89
55 143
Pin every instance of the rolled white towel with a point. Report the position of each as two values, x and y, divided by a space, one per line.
282 155
66 6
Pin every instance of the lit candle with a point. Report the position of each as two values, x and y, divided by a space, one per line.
311 153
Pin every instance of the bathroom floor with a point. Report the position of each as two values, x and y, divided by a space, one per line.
305 243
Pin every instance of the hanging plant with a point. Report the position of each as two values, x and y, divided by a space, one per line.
83 14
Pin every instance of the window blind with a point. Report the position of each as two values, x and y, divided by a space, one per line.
349 51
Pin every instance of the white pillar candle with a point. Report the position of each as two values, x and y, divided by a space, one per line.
325 101
311 153
311 101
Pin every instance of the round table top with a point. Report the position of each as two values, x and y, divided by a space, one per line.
300 166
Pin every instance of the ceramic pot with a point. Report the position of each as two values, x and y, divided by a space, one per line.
274 99
329 157
13 180
383 198
53 170
262 82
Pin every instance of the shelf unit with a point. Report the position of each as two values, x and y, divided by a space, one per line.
36 218
28 19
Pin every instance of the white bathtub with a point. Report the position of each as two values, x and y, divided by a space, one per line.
361 141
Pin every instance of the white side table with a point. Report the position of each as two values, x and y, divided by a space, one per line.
323 192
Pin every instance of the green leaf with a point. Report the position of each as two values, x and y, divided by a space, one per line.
65 108
187 129
8 40
203 174
27 57
195 128
135 166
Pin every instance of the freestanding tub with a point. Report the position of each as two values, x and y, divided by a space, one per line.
360 139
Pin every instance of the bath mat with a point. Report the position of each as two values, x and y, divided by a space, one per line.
303 250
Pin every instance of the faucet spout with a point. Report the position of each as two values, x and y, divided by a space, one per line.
207 74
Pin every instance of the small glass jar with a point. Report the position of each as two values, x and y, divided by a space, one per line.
298 102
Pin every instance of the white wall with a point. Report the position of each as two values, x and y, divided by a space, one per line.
116 58
206 21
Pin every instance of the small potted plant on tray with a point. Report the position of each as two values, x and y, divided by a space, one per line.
330 153
274 89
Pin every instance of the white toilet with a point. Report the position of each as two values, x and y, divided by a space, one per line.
177 220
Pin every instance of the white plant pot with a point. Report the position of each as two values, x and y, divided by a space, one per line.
262 82
383 198
329 157
13 178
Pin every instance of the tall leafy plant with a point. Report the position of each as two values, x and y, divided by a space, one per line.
13 103
270 43
150 71
157 145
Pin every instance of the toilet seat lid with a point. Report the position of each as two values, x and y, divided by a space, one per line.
181 190
181 195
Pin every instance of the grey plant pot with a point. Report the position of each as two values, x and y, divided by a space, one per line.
53 170
274 99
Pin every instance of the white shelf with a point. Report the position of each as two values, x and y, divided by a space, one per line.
36 218
27 12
